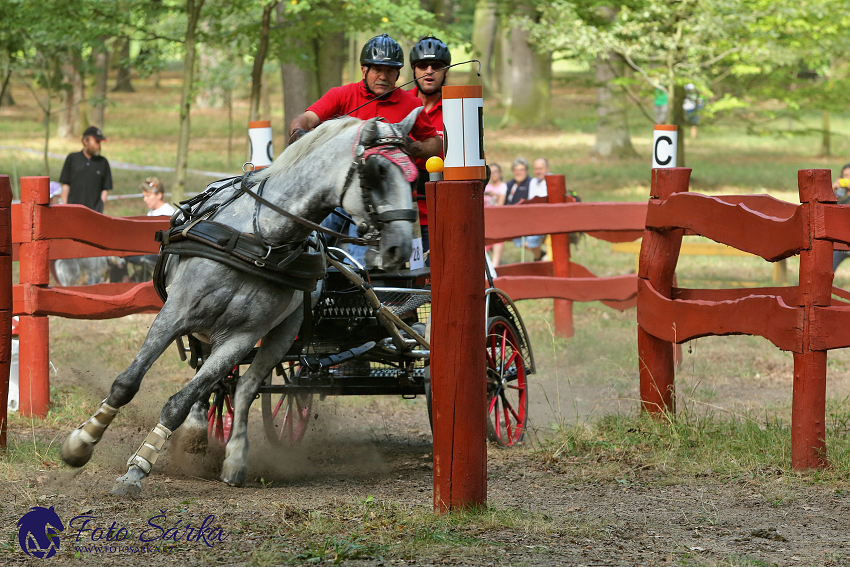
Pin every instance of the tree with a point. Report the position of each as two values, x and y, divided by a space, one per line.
527 92
122 81
666 43
193 17
483 44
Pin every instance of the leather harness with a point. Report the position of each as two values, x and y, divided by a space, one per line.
298 265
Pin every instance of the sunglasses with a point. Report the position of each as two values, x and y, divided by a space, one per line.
424 66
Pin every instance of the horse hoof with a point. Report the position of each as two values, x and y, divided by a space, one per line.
127 487
233 476
76 452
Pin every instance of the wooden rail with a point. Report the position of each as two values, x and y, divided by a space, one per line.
804 319
43 233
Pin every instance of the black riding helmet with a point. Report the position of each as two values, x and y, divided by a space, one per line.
432 49
382 50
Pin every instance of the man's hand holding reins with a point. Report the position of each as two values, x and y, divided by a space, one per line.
424 149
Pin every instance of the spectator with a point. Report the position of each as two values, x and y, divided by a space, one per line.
494 194
537 185
661 106
692 104
86 177
841 186
153 193
517 192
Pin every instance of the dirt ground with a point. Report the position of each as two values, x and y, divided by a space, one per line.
377 451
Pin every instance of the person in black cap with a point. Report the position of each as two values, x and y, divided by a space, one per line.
86 177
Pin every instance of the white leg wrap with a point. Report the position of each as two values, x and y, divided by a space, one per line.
147 454
92 430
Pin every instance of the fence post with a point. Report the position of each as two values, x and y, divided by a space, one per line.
808 406
659 253
33 332
458 370
556 187
5 301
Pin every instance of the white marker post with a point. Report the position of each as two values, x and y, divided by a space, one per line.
463 133
260 134
664 143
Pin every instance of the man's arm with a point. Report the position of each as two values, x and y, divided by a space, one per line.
305 122
66 190
103 195
426 148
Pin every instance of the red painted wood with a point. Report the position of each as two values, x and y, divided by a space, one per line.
622 236
504 223
579 271
5 301
734 225
763 204
458 344
829 327
616 288
788 294
683 320
808 407
556 187
84 225
82 303
33 362
526 269
33 332
836 223
659 254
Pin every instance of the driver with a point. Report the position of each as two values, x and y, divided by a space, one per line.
380 61
430 58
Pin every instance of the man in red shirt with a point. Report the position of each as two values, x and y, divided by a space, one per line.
380 61
430 58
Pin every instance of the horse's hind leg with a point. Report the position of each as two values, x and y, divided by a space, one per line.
274 346
79 445
177 408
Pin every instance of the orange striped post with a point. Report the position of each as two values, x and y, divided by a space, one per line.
5 301
556 187
260 134
34 331
463 133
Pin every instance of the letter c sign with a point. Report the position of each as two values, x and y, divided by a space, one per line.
664 146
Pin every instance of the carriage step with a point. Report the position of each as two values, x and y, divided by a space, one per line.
334 359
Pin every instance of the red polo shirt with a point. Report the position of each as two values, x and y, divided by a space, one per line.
436 116
394 108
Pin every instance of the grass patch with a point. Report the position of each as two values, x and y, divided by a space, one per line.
686 447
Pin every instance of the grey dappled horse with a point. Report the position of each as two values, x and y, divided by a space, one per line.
233 310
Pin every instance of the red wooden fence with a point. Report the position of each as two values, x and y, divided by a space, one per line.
46 233
804 319
562 279
5 301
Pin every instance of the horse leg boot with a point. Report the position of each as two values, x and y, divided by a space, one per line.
79 445
141 463
274 346
175 411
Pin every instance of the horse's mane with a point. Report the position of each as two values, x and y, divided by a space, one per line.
307 144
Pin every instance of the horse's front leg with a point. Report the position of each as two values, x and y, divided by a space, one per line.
274 346
78 447
222 359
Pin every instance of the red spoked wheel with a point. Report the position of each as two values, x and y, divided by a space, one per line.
507 389
286 416
220 414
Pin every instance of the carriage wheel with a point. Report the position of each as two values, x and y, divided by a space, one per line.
220 414
286 417
507 393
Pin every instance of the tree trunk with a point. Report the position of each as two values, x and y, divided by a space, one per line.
483 44
612 125
825 149
530 77
502 65
259 61
46 135
328 62
298 82
5 92
72 115
193 12
228 101
678 118
122 82
101 86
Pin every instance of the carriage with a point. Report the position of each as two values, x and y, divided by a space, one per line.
371 340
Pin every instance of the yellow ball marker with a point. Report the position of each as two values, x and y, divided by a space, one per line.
434 164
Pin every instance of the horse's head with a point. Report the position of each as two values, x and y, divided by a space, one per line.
383 196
